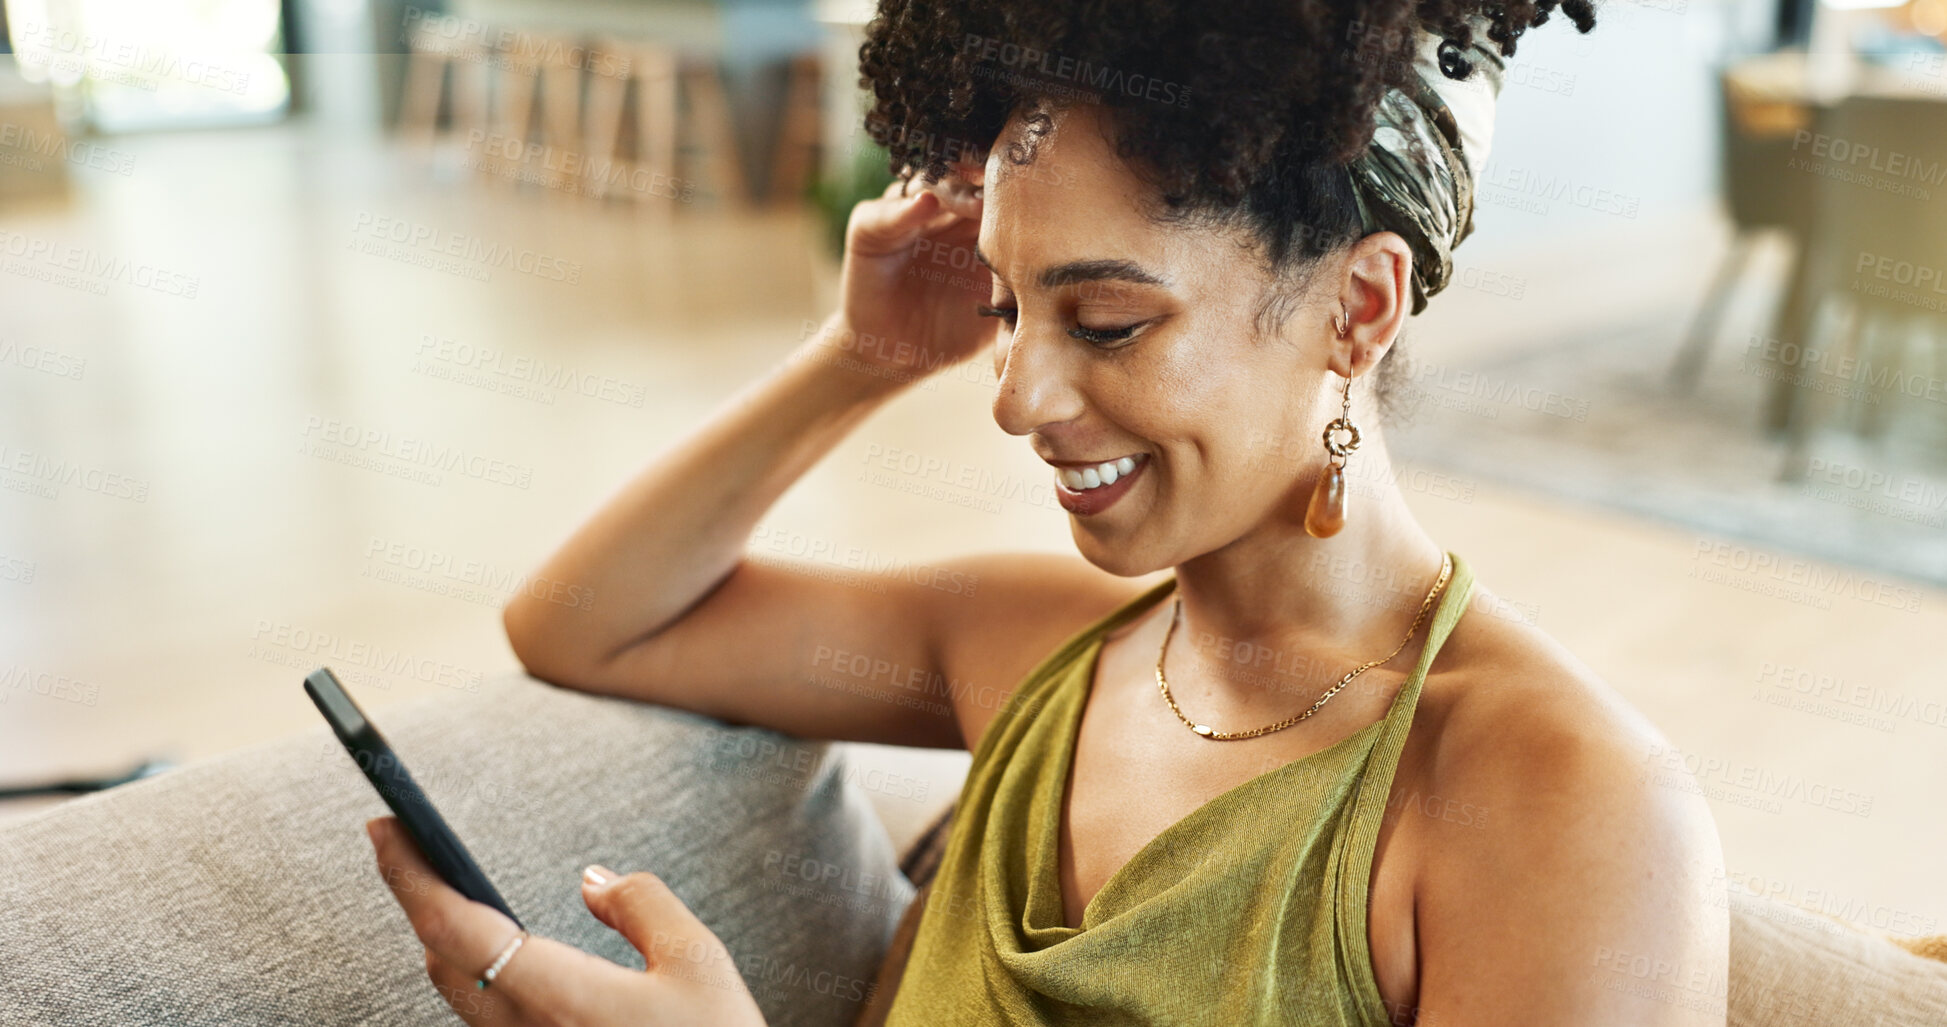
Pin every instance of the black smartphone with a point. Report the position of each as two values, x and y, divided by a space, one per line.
395 785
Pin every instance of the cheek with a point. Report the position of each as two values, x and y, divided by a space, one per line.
1265 454
1233 421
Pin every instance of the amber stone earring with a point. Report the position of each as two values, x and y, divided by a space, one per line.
1326 513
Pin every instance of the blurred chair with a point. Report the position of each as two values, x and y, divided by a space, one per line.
1877 270
437 45
535 66
1761 193
707 117
800 133
653 70
680 106
559 115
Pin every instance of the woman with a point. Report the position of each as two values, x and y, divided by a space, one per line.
1194 251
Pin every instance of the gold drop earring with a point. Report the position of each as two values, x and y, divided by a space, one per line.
1326 513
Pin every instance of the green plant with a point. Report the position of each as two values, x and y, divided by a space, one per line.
862 177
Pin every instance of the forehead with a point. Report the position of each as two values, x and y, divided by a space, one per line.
1072 198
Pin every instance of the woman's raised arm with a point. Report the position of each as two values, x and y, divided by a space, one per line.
680 616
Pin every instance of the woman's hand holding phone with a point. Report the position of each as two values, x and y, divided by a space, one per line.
910 284
689 976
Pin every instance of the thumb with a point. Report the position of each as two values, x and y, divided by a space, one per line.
641 908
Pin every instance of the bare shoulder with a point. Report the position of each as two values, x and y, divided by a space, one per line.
1589 863
1509 700
1013 610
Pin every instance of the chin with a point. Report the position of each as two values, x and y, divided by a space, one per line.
1115 555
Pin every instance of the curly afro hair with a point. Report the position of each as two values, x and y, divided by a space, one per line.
1238 111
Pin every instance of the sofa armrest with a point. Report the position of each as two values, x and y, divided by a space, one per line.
1793 967
242 890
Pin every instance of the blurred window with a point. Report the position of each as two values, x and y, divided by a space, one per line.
127 65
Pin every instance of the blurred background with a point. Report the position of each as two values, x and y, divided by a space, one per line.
322 322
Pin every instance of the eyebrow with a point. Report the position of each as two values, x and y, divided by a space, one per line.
1076 271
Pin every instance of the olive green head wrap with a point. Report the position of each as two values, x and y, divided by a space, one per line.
1428 150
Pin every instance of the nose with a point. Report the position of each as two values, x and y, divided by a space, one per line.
1037 386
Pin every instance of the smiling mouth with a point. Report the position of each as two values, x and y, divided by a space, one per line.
1095 487
1080 479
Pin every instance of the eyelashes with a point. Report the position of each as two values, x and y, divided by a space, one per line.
1107 338
1104 338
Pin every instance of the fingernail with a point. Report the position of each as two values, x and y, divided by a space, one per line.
598 875
372 831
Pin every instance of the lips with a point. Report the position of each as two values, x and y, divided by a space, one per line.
1088 501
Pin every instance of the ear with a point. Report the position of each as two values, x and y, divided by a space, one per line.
1376 295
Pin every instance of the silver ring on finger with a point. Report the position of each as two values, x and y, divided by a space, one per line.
500 961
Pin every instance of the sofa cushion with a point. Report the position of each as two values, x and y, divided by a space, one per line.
243 889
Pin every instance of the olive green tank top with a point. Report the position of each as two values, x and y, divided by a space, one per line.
1251 909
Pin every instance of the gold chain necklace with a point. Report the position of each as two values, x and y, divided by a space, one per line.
1176 613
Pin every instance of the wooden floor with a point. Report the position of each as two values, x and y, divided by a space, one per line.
219 480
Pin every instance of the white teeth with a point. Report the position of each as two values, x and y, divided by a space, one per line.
1101 474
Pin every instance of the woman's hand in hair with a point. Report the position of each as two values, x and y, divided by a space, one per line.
911 283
